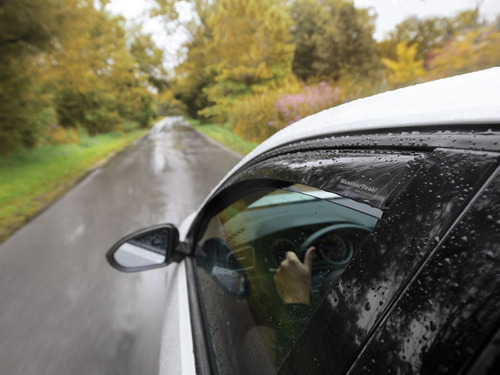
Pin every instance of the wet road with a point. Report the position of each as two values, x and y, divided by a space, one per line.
63 309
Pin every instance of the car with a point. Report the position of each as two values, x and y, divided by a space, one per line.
388 208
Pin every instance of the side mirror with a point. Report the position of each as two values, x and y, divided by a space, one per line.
145 249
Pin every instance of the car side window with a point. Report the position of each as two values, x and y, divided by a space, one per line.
409 232
254 306
452 307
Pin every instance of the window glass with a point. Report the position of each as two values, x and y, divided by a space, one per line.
254 305
417 220
452 308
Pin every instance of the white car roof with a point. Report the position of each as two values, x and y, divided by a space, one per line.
467 99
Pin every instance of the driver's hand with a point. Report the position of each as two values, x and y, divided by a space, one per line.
293 278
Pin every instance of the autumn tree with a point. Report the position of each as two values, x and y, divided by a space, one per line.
430 33
469 51
95 80
195 74
27 28
252 47
196 71
148 57
331 37
406 68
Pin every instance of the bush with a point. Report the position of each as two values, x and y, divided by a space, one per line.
58 135
258 116
292 108
129 126
251 115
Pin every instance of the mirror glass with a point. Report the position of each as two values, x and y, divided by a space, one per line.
143 250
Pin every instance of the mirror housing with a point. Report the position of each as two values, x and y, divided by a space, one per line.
146 249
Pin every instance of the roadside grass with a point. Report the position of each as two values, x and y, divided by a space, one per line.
31 179
223 135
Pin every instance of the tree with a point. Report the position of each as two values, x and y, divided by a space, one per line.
406 68
469 51
27 28
71 63
331 37
95 80
430 33
196 72
252 48
149 58
427 33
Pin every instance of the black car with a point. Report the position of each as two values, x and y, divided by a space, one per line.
399 195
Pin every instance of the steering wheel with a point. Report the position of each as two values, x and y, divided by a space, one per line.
320 234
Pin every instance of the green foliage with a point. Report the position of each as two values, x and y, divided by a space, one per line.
251 116
149 58
195 74
469 51
168 105
258 116
72 63
30 179
27 28
251 42
23 113
96 80
430 33
239 57
224 135
331 37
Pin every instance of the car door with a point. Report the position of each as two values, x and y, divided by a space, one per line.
266 209
451 308
412 200
388 304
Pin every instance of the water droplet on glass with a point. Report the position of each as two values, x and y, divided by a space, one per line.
489 254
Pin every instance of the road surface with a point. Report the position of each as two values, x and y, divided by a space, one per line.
63 309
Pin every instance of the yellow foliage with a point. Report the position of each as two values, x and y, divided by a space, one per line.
168 105
406 68
475 50
258 116
58 134
251 48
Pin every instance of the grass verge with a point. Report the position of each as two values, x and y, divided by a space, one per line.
31 179
223 135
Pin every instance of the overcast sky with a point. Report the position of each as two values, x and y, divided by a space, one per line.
392 12
389 14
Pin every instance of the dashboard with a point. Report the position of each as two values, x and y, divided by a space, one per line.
334 243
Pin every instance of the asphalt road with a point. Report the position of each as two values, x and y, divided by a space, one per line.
63 310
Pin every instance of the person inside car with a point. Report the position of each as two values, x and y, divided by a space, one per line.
293 285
